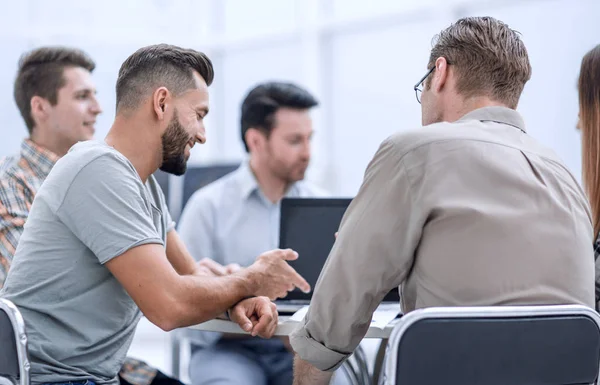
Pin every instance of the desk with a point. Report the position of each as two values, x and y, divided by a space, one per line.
285 327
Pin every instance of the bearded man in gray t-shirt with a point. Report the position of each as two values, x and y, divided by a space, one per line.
99 248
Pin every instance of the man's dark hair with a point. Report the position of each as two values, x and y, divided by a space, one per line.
263 101
160 65
40 74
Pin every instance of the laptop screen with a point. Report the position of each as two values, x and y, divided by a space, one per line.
308 226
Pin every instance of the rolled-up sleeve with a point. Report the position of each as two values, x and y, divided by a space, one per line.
315 352
373 253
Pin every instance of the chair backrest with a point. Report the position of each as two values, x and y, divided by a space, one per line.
517 345
199 176
14 364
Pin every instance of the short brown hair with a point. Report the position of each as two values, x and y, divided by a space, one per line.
589 123
159 65
489 58
41 74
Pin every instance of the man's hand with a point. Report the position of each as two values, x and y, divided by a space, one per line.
208 267
233 268
273 277
257 316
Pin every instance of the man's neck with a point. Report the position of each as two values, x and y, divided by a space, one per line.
131 137
273 188
50 142
463 107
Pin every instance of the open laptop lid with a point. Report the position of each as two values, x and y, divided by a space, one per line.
308 226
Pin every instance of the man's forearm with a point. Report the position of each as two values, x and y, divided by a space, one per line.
179 256
306 374
205 298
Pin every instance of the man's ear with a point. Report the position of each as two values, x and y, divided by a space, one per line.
40 108
440 75
161 102
255 139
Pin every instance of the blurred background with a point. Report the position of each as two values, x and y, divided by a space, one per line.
360 58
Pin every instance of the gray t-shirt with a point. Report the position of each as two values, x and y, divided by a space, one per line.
79 319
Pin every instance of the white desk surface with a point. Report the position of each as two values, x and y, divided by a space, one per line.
284 327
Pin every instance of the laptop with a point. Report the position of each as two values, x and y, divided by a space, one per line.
308 226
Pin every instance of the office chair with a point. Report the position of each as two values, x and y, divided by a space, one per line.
197 177
356 368
517 345
14 364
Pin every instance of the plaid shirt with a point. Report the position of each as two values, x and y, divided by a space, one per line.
20 178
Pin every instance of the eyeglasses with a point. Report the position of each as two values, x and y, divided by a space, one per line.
418 87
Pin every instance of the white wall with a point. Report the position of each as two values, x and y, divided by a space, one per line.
557 34
360 58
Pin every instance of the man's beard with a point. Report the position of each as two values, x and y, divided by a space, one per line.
174 141
288 174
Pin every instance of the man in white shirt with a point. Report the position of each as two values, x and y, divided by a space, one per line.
237 217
